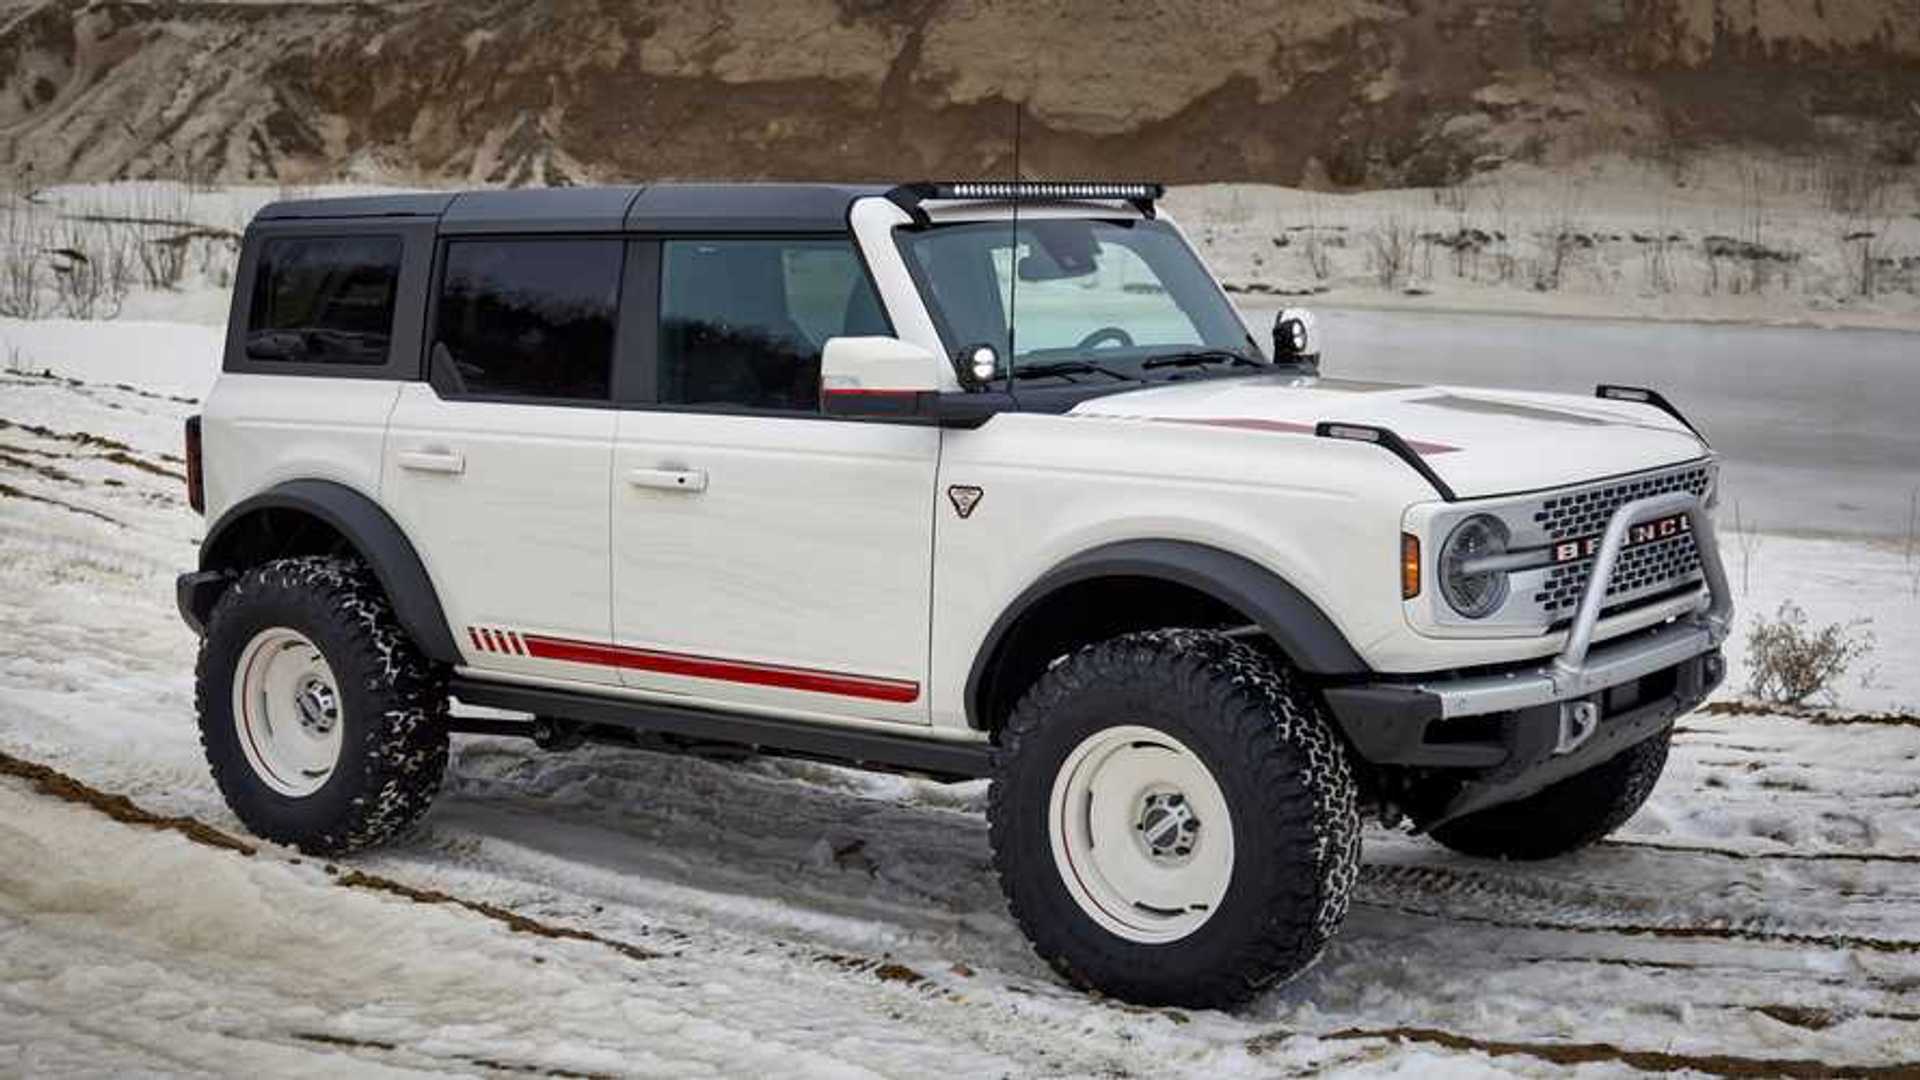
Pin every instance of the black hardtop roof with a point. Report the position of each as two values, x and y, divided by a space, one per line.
717 207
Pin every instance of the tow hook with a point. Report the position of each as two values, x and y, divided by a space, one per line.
1578 719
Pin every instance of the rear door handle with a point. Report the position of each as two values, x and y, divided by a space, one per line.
433 461
688 480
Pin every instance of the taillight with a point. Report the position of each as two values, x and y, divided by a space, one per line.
196 487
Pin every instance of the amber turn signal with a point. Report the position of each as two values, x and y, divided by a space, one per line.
1409 566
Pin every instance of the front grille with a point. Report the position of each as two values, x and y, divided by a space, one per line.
1642 572
1584 513
1639 570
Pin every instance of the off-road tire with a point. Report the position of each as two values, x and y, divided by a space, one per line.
393 706
1566 816
1284 776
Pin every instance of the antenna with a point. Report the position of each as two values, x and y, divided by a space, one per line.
1013 250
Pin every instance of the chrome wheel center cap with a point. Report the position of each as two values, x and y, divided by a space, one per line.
1167 825
318 707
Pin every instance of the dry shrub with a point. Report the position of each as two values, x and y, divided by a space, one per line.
1789 662
1390 250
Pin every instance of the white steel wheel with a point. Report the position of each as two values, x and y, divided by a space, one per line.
1141 834
287 712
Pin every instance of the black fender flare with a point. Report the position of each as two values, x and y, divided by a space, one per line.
1297 625
374 536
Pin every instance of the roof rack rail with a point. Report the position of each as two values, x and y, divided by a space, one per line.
1140 196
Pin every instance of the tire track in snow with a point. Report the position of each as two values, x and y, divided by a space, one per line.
1658 930
45 780
1896 857
49 781
1541 902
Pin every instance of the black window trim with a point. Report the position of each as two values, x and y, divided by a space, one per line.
403 346
650 379
431 323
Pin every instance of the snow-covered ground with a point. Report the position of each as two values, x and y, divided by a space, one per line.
1758 917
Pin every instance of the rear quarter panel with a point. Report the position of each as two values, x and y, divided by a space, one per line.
260 430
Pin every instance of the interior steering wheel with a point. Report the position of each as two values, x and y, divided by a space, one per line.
1114 333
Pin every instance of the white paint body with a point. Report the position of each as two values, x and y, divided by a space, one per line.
828 545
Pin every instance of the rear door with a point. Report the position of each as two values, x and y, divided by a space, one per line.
764 556
498 466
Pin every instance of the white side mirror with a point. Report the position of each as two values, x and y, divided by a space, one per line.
875 376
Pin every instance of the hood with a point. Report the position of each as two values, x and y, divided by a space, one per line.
1481 442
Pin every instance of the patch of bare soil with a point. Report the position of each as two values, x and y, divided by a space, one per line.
1325 93
1784 856
78 438
1571 1054
1824 717
46 377
50 781
8 491
345 1042
519 924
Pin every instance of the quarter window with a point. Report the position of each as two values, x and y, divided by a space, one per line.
528 318
743 321
324 300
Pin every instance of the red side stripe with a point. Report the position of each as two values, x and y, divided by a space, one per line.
475 635
735 671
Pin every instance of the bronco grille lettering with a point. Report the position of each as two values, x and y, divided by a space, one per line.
1646 532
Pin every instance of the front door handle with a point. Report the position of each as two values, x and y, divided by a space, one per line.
688 480
433 461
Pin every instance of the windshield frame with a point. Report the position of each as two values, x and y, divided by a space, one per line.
1132 362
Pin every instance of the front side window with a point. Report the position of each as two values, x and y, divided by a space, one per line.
743 322
324 300
528 318
1062 289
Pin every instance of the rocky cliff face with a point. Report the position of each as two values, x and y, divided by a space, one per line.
1318 92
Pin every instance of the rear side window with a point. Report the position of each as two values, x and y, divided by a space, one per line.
743 321
528 318
324 300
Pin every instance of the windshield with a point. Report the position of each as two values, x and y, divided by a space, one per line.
1117 293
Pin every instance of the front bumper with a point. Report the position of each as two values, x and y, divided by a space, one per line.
1522 727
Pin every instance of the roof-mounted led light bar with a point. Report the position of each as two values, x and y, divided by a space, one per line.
1140 196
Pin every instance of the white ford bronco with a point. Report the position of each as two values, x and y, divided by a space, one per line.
966 480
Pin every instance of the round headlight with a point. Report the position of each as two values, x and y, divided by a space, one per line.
1474 595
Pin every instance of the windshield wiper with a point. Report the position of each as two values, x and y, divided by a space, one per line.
1068 367
1197 357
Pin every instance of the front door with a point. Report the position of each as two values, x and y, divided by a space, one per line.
765 557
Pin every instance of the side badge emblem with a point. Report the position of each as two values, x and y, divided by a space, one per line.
964 498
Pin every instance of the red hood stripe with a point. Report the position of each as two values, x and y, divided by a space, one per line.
1288 427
